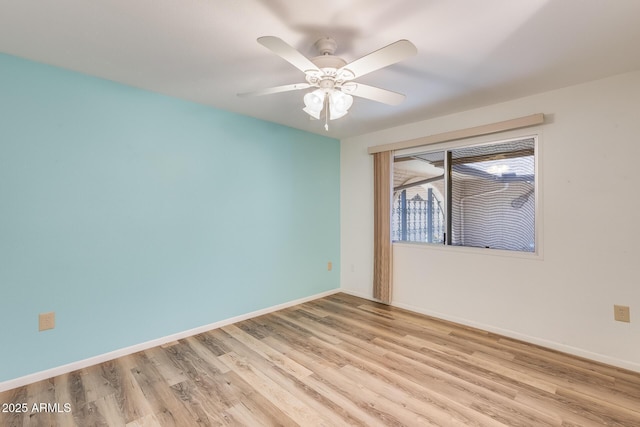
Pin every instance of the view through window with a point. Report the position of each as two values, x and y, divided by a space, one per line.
475 196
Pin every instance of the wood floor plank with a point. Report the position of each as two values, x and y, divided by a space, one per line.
299 337
259 406
334 361
62 396
207 356
335 337
146 421
135 405
349 412
171 373
284 400
278 369
592 390
85 412
390 382
110 409
571 413
42 393
437 409
244 416
202 410
366 401
268 353
469 389
168 409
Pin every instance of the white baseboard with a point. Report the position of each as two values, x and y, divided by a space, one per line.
43 375
357 294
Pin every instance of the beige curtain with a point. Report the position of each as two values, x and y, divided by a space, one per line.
382 261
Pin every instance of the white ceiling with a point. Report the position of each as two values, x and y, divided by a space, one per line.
470 52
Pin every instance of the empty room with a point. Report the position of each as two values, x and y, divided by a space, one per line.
275 212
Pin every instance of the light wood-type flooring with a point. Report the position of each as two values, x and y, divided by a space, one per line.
335 361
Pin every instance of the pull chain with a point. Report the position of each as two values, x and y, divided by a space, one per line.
326 112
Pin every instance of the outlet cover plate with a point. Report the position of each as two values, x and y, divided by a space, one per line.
46 321
621 313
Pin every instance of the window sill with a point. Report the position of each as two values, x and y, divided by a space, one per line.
470 250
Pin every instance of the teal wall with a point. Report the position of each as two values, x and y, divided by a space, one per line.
134 215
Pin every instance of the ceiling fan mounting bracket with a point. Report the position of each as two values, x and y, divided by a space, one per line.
326 46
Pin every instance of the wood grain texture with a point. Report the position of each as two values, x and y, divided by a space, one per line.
382 248
338 360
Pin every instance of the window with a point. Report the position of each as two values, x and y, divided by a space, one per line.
475 196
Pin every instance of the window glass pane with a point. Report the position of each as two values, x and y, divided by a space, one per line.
418 198
492 192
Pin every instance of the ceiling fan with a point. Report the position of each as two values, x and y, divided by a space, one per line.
333 76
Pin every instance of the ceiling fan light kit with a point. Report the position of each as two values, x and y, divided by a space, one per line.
314 103
332 76
339 104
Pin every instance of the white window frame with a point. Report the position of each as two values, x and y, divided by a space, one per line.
538 194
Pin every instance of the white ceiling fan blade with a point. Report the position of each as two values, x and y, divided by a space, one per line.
276 89
388 55
288 53
373 93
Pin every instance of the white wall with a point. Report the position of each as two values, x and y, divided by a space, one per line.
589 162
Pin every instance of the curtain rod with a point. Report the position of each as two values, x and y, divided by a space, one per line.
520 122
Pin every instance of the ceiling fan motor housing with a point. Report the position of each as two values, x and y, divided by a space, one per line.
329 61
328 64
